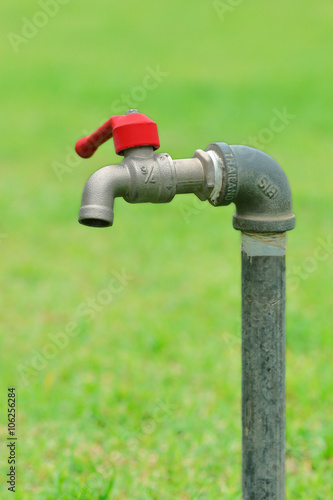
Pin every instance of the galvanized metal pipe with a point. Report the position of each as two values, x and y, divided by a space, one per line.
263 366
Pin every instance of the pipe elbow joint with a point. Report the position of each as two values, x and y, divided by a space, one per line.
258 186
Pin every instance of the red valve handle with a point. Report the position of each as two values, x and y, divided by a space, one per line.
128 131
87 146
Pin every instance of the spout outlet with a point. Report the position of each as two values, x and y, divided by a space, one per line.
99 193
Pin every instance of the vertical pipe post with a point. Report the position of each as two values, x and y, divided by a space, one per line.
263 366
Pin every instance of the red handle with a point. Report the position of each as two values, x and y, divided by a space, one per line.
87 146
128 131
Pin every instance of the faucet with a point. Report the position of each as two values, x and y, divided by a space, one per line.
257 185
221 174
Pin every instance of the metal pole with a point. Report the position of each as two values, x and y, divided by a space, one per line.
263 366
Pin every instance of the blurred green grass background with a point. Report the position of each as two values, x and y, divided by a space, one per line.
144 402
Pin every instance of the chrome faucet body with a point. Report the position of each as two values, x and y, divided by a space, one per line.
144 176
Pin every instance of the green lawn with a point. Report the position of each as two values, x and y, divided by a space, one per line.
142 399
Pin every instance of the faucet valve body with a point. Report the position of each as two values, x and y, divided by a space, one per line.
152 176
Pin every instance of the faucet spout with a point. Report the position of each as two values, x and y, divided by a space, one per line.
99 193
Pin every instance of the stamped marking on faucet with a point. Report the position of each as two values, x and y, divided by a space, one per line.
231 172
267 187
149 174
